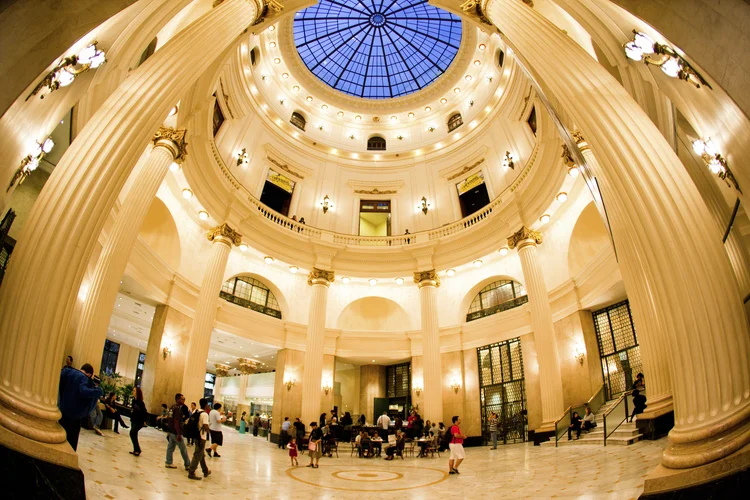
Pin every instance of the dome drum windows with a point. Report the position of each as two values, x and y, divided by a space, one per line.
376 143
251 294
454 122
254 56
497 297
298 120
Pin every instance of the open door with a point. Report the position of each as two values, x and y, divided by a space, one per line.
381 405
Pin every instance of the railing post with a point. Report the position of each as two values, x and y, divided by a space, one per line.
556 435
604 423
626 408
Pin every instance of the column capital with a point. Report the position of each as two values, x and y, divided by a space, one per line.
524 234
173 140
581 141
320 277
224 232
247 365
222 370
427 278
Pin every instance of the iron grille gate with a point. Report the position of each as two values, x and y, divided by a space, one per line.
618 347
502 390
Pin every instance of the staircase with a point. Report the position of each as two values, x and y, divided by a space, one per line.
625 435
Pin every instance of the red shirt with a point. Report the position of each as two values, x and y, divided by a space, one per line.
454 432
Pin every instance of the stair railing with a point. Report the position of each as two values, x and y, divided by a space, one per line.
564 422
595 402
618 418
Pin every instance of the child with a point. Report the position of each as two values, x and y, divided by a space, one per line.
292 446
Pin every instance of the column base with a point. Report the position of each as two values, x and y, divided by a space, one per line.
24 476
720 479
542 435
655 425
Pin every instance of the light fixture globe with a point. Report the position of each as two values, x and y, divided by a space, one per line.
671 67
450 272
644 43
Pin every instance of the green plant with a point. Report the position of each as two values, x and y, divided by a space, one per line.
110 383
126 393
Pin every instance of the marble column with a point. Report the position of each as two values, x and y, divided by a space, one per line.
247 367
550 381
654 354
312 390
222 371
169 146
61 231
664 236
223 237
428 282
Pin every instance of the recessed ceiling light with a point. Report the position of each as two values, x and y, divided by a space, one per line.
482 46
428 109
410 115
272 45
477 263
268 259
203 215
477 62
504 251
443 100
399 281
394 118
457 90
346 279
358 118
450 272
187 194
296 88
271 28
467 78
243 247
372 281
562 197
174 167
340 113
309 98
544 219
277 60
573 172
293 269
324 107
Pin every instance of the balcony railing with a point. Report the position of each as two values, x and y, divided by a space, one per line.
510 304
250 305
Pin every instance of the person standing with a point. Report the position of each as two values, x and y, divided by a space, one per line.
493 429
243 423
293 451
456 446
174 425
190 412
384 422
316 439
77 395
299 429
284 437
215 419
256 425
138 418
199 455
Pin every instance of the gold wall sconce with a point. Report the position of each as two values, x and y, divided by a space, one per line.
66 71
672 64
715 162
243 157
289 384
167 351
31 161
455 385
423 205
418 391
508 161
327 389
326 204
580 355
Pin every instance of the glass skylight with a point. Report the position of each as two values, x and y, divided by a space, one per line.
377 49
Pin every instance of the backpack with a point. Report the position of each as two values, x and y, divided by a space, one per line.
447 438
192 428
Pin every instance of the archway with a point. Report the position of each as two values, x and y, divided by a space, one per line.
588 238
159 231
373 313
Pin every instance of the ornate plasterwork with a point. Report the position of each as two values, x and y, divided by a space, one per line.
375 191
284 167
277 159
430 278
222 370
524 234
567 158
224 231
467 165
466 169
247 365
320 277
173 139
375 188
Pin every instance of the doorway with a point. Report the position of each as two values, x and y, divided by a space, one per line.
375 218
618 347
472 194
277 192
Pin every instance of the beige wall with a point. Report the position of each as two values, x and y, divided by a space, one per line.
453 402
589 237
127 362
327 379
160 233
531 381
372 385
417 380
287 403
373 313
23 199
471 418
579 381
348 382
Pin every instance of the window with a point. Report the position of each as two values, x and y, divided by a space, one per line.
252 294
298 121
500 58
454 122
254 56
618 347
218 119
208 386
109 358
398 380
376 143
532 120
497 297
139 369
148 52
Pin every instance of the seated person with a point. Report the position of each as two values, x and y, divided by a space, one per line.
589 420
639 403
575 425
365 446
376 442
398 447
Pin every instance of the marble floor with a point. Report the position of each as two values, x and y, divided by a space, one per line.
253 468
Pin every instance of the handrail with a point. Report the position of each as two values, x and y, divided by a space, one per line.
566 413
601 388
623 397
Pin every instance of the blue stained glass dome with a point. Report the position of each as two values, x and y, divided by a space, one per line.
376 49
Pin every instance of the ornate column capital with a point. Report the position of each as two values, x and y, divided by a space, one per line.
224 232
247 365
173 140
581 141
524 234
320 277
222 370
427 278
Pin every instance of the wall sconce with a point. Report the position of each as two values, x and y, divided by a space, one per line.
431 128
508 161
423 205
31 161
418 390
716 163
243 157
400 137
327 388
643 48
455 385
289 384
326 204
580 355
68 69
167 351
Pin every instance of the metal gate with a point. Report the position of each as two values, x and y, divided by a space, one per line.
618 347
502 390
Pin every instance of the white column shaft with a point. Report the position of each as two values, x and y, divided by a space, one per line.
431 362
313 368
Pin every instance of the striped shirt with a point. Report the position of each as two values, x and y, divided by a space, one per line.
493 424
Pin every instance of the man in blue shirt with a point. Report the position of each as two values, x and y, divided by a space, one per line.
76 398
284 437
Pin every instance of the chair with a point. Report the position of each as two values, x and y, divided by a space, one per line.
410 449
400 449
355 448
433 448
333 447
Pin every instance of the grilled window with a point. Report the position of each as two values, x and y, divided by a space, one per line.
497 297
454 122
298 121
252 294
376 143
109 357
398 380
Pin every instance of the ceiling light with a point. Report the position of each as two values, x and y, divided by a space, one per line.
450 272
271 28
174 167
573 172
272 45
296 88
410 115
394 118
562 197
187 194
293 269
243 247
203 215
399 281
544 219
467 78
358 118
277 60
457 90
504 251
428 109
340 113
372 281
477 263
482 46
285 75
268 259
443 100
324 107
345 279
309 98
477 62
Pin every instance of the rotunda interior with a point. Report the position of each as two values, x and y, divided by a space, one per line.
510 212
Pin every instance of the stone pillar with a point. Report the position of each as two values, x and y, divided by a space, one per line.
319 280
668 245
223 237
428 281
59 236
247 367
327 381
169 146
222 371
526 240
287 388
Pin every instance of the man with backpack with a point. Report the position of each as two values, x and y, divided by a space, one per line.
198 428
456 445
175 423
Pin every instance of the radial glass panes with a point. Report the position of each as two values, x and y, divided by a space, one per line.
377 49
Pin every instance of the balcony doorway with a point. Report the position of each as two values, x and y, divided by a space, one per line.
277 192
375 218
472 194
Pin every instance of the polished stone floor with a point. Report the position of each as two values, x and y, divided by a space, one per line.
253 468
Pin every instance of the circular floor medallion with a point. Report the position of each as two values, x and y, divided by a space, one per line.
367 478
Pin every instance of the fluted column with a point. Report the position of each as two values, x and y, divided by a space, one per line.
223 237
221 372
169 146
40 288
664 237
428 282
550 381
312 390
654 354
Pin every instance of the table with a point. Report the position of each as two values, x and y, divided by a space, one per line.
423 443
377 444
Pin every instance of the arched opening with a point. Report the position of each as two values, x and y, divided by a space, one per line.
497 297
588 238
251 293
454 122
159 232
148 52
373 313
375 143
254 56
500 58
298 120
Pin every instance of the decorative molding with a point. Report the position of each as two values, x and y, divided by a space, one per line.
423 278
577 136
222 370
524 234
466 169
284 167
375 187
224 231
281 161
567 158
320 277
375 191
469 162
173 139
248 366
226 98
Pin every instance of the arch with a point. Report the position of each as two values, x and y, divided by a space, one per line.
455 121
275 290
469 296
500 57
159 232
298 120
148 51
374 314
254 56
376 143
588 238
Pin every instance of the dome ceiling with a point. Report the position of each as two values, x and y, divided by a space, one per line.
377 49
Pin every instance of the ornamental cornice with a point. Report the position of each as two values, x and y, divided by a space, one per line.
173 139
473 161
247 365
226 232
320 277
524 234
375 187
526 169
279 160
427 278
222 370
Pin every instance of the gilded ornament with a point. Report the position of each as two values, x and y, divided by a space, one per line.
222 370
524 234
426 277
284 167
317 275
247 366
174 139
467 168
567 157
374 191
577 136
225 231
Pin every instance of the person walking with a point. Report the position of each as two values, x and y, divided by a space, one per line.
174 432
314 445
456 446
215 419
493 429
199 455
384 422
138 418
299 430
256 424
77 395
284 437
292 446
